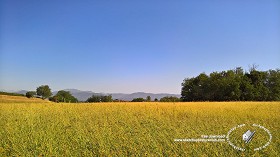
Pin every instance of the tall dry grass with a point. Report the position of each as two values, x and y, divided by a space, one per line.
130 129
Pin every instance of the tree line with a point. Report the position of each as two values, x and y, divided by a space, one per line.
163 99
233 85
44 92
10 94
230 85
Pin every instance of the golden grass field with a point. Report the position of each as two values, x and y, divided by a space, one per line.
34 127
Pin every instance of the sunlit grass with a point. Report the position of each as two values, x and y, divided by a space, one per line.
129 129
20 99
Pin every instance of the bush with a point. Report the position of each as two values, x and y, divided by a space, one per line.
138 100
169 99
30 94
100 98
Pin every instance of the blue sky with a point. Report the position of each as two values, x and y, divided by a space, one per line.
131 46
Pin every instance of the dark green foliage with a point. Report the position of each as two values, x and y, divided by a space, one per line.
100 98
148 99
156 99
273 83
138 100
30 94
233 85
64 96
169 99
11 94
106 98
54 99
94 98
44 91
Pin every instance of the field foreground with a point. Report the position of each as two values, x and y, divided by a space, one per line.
134 129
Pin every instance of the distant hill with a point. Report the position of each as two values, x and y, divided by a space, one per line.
144 95
84 95
22 92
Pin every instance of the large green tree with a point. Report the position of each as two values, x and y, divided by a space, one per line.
44 91
64 96
233 85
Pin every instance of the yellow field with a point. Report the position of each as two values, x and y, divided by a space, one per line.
20 99
132 129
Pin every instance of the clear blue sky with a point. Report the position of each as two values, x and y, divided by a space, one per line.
131 46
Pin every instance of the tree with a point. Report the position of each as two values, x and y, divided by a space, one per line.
193 87
44 91
138 100
233 85
169 99
94 98
30 94
187 91
106 98
100 98
64 96
148 98
156 99
246 88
